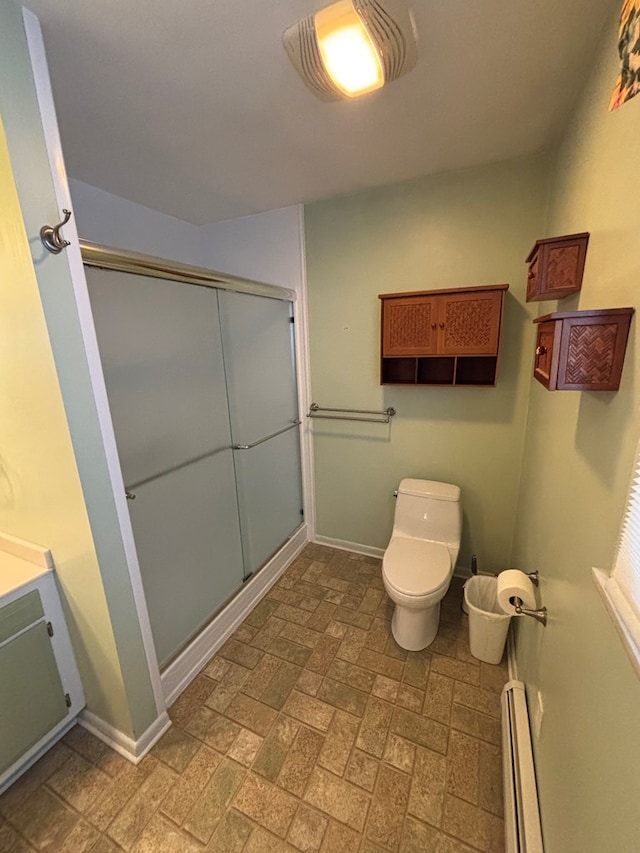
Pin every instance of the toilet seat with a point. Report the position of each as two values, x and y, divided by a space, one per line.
415 567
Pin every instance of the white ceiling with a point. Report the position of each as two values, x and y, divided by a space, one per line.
193 108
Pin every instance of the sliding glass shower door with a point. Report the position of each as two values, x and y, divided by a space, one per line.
257 340
162 357
202 391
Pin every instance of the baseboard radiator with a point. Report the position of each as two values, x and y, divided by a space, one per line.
523 832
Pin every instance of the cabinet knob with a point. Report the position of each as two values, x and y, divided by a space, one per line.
433 325
541 350
441 325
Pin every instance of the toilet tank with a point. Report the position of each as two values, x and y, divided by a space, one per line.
426 509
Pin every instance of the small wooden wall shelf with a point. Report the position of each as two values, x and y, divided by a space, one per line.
581 350
442 337
556 266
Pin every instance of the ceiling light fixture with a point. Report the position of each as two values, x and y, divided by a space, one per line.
353 47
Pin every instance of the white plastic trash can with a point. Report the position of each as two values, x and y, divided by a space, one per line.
488 623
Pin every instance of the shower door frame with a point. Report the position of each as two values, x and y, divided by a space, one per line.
187 664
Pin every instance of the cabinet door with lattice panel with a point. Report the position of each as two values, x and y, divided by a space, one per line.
469 323
556 266
410 326
532 277
592 353
582 350
545 340
562 264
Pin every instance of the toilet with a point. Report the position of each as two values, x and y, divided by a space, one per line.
420 558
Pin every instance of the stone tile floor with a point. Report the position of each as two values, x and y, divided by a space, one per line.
310 730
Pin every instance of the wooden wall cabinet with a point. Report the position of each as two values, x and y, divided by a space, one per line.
581 350
556 266
442 337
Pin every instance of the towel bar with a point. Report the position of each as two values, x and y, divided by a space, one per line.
383 417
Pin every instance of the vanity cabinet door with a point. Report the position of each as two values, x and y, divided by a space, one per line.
33 700
40 688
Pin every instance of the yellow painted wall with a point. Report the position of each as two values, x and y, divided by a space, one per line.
465 228
576 468
40 493
93 572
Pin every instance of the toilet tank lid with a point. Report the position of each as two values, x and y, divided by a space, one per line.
430 489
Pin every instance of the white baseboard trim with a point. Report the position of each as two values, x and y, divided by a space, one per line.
370 551
181 672
342 545
133 750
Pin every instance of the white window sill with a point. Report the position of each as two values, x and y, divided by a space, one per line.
625 620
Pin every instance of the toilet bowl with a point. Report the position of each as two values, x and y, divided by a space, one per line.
420 558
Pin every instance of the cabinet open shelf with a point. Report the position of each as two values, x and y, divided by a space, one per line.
440 370
435 371
399 371
480 370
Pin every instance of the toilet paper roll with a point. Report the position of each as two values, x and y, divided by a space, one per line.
513 583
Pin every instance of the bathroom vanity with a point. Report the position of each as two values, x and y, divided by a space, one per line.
41 693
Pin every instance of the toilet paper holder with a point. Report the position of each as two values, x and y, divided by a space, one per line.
540 615
518 604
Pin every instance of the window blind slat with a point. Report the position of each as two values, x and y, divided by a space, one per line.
625 575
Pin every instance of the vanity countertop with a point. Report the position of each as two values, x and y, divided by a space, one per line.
21 563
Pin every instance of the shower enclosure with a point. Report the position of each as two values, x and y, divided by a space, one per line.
201 383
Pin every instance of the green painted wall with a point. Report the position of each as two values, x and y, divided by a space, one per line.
465 228
577 462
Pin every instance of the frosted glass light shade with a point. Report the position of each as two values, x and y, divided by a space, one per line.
348 53
353 47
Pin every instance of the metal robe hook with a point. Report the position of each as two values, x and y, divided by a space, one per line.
51 238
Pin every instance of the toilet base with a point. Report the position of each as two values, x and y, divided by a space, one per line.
414 630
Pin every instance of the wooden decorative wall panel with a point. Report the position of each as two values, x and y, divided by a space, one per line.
590 354
562 267
469 324
410 326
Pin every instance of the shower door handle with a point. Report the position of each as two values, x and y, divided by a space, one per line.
296 422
